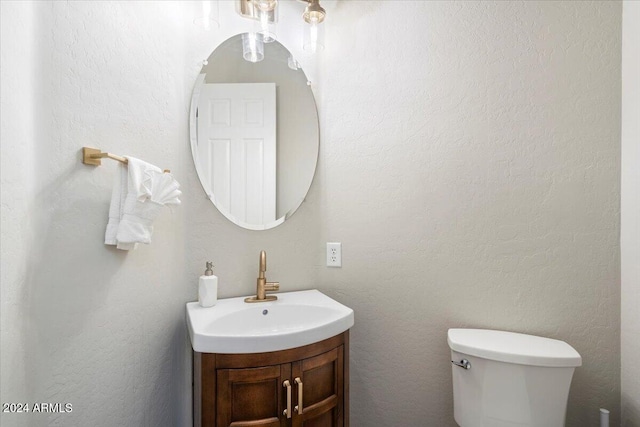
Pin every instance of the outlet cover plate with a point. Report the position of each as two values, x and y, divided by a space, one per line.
334 254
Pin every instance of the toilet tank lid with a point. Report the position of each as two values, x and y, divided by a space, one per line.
513 347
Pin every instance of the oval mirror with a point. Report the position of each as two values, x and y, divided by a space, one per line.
254 132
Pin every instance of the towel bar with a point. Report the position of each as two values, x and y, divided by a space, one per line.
94 156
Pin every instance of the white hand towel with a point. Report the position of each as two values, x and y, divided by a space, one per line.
164 188
136 175
150 191
139 171
137 226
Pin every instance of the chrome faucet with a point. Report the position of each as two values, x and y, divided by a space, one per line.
262 286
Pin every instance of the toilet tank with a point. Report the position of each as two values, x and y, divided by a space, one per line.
513 379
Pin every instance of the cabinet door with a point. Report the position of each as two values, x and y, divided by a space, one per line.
252 397
322 384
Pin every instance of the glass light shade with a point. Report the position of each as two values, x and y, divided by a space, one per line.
207 14
268 23
313 37
252 47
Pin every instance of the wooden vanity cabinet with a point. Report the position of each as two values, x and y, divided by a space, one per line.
248 390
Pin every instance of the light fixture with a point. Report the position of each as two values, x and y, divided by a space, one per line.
314 13
265 13
251 8
313 37
266 5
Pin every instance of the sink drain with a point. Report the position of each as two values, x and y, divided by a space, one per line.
265 312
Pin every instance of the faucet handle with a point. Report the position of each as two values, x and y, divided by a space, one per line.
272 286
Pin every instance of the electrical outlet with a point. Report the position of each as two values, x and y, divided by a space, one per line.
334 254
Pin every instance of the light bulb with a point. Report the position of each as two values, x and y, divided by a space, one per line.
313 35
267 26
313 38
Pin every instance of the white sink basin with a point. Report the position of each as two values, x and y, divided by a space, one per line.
294 320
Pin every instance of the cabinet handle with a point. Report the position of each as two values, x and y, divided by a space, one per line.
286 384
298 407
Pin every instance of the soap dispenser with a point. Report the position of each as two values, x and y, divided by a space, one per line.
208 287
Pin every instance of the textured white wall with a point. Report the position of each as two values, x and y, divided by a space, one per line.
469 164
473 181
18 194
82 323
630 215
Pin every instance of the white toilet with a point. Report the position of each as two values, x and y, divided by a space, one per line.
505 379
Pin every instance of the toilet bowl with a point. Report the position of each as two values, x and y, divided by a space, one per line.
506 379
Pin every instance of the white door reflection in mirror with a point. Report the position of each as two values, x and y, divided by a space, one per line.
237 149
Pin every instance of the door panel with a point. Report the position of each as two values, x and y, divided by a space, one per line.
322 385
251 397
323 420
237 146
